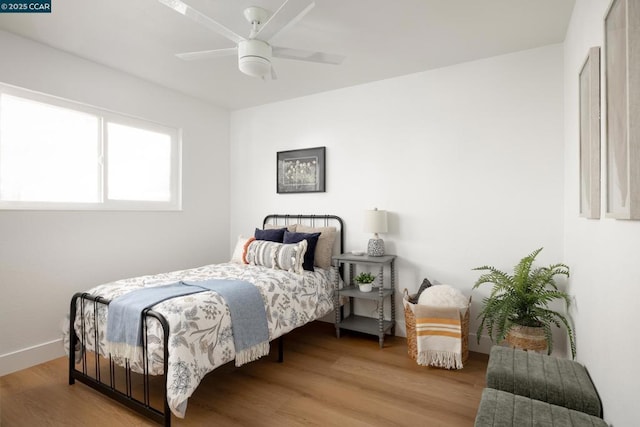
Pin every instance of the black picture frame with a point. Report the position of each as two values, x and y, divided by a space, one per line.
301 171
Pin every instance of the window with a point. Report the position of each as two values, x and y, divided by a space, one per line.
57 154
47 153
139 163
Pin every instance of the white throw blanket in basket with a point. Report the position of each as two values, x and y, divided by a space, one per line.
438 336
439 328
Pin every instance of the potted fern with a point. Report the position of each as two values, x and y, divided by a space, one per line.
517 309
365 281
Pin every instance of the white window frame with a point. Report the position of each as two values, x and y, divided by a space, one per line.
105 117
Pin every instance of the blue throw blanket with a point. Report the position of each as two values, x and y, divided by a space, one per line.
246 307
124 321
248 316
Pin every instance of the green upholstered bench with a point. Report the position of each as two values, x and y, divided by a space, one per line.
503 409
549 379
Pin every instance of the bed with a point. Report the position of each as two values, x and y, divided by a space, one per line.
188 336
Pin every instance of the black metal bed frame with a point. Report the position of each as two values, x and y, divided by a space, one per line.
313 221
109 387
96 381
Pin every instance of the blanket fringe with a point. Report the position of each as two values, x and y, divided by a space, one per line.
124 350
252 353
440 359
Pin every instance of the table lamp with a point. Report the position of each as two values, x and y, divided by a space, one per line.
375 222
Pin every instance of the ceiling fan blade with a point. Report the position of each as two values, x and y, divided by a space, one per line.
305 55
285 17
186 10
274 76
207 54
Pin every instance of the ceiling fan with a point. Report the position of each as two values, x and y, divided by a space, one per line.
255 52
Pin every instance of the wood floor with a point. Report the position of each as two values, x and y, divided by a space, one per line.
324 381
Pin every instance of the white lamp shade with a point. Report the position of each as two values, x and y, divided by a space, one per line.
375 221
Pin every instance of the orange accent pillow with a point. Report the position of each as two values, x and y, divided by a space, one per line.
245 249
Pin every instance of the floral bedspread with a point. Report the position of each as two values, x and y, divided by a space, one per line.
200 337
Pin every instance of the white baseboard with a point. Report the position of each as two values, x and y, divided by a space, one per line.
30 356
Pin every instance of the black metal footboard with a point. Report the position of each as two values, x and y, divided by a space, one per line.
90 372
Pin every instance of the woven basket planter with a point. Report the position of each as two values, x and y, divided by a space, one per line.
410 322
526 338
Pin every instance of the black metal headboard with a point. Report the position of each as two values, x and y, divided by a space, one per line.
311 220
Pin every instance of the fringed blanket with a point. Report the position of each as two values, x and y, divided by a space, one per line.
248 316
124 326
438 336
246 309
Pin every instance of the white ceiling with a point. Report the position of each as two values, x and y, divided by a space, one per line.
380 38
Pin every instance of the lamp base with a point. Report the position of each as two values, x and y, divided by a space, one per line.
375 247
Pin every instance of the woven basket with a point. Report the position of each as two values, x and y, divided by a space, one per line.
526 338
410 322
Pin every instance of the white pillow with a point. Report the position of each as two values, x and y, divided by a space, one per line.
443 296
241 249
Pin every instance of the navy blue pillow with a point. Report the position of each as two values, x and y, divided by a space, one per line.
312 241
275 235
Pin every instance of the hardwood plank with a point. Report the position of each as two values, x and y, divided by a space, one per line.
324 381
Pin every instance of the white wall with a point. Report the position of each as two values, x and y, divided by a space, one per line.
603 253
467 159
45 257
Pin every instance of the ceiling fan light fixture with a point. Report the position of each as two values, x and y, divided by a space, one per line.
254 57
255 66
255 52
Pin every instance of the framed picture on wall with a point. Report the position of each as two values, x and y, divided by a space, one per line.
301 171
622 86
589 80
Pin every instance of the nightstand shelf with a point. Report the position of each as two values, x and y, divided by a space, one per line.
369 325
354 291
